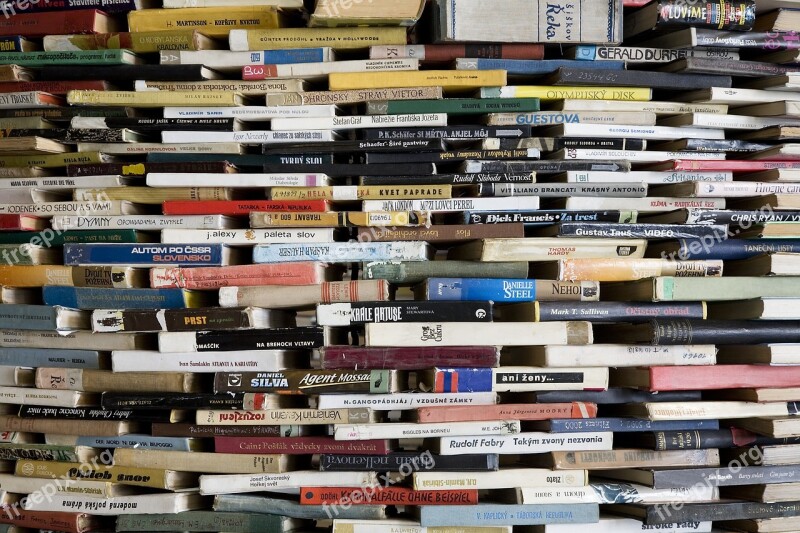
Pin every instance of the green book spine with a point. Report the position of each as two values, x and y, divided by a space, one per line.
453 106
406 273
76 57
733 288
203 521
53 238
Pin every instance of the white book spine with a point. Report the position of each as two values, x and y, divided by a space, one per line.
740 122
251 112
187 147
9 377
398 430
144 222
644 176
713 410
404 401
630 525
523 443
342 252
60 183
169 503
320 70
521 203
623 355
359 122
502 479
741 97
639 155
607 493
46 397
388 52
523 378
745 189
205 362
640 132
238 483
659 108
551 118
463 334
220 59
650 204
247 236
289 179
224 138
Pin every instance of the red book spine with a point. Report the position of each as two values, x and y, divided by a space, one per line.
439 53
17 223
342 357
53 23
240 207
47 520
386 496
734 166
300 273
52 87
541 411
259 72
300 445
635 3
667 378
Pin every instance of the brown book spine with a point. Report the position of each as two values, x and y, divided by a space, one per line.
300 445
105 380
87 428
409 358
448 52
193 430
48 520
140 169
54 23
442 233
53 87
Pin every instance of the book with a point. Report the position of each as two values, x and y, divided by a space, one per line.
400 430
241 483
725 16
320 70
304 295
138 42
612 355
223 60
331 14
513 379
544 249
38 25
214 318
98 298
722 377
336 38
447 79
489 514
456 334
282 273
90 380
206 20
504 290
137 504
408 358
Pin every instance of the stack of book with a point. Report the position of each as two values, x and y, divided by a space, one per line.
444 266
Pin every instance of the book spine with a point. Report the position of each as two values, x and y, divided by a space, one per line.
187 430
410 273
298 416
300 445
547 218
692 440
340 357
234 208
309 337
642 231
734 249
389 496
12 43
283 297
145 401
299 273
395 461
45 520
494 514
625 425
51 23
723 15
347 314
52 357
109 428
91 298
342 252
305 381
443 53
618 311
508 290
440 233
683 331
632 268
522 412
208 520
722 377
76 413
42 452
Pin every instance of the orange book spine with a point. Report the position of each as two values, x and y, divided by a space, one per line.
541 411
385 496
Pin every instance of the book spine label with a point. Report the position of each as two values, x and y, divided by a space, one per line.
618 311
346 314
509 290
300 445
306 381
339 357
642 231
404 401
547 218
234 208
524 443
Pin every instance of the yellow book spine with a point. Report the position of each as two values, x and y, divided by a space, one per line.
51 160
206 462
146 195
546 92
337 38
148 42
364 192
449 80
337 219
212 21
627 269
33 276
140 477
153 98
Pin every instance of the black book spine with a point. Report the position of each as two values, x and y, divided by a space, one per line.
713 216
262 339
448 157
640 231
120 73
686 440
172 124
147 401
118 6
682 331
543 218
608 144
140 169
617 311
738 15
633 78
416 311
337 170
348 147
193 430
447 132
395 461
546 167
94 135
616 396
55 133
64 113
84 413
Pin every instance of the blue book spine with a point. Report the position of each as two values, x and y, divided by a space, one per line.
496 514
341 252
11 43
733 249
27 316
463 380
52 358
624 425
144 254
497 290
585 52
296 55
528 67
91 298
174 444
